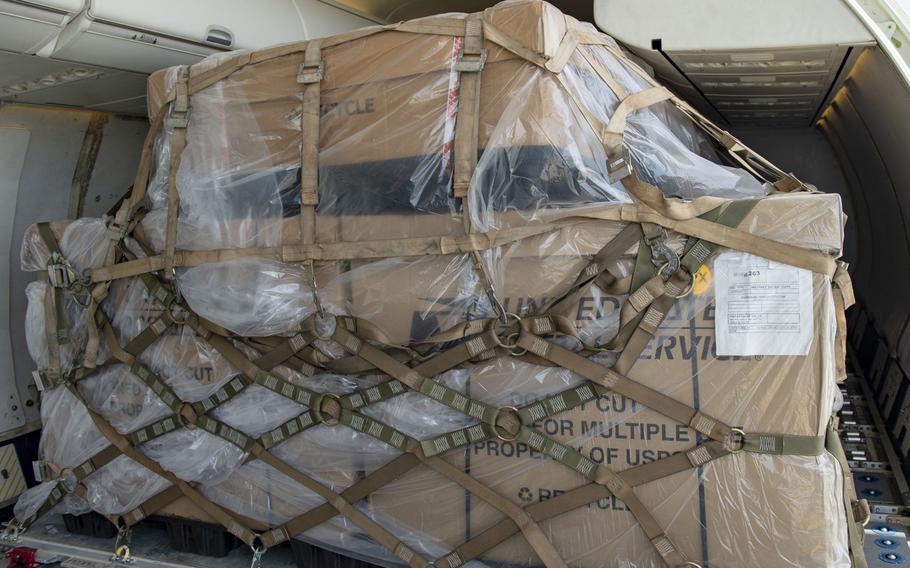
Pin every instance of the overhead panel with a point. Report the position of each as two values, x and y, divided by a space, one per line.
96 54
35 80
758 86
743 62
25 26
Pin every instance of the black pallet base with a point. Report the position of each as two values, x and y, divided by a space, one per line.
309 556
90 524
199 538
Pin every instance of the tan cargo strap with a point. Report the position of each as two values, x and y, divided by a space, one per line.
610 379
151 506
285 350
415 246
469 64
787 184
67 480
360 490
499 37
310 75
143 373
636 331
177 124
605 257
843 300
619 166
602 72
574 499
645 309
53 329
568 45
529 528
419 246
155 430
855 531
140 185
741 153
736 239
60 275
17 525
612 134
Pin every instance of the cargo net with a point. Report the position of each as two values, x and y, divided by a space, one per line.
661 277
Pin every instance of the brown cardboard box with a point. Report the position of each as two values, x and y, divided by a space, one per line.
733 512
708 513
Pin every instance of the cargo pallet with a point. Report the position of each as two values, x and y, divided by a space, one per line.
877 468
81 541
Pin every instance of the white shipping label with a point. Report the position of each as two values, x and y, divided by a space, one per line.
763 307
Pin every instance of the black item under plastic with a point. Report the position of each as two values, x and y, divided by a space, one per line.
89 524
538 177
309 556
199 538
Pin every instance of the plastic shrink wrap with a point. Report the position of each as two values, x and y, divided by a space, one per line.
389 149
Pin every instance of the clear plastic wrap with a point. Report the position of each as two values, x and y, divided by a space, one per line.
389 104
68 436
121 486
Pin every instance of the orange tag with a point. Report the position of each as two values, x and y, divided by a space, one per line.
702 280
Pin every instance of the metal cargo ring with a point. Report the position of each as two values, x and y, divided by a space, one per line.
496 429
688 289
742 435
177 314
317 408
500 342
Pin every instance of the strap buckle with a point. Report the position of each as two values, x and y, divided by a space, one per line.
42 381
619 168
178 119
42 471
470 62
308 74
59 272
116 231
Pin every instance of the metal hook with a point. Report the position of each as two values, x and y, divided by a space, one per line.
122 554
11 533
258 552
319 307
662 254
